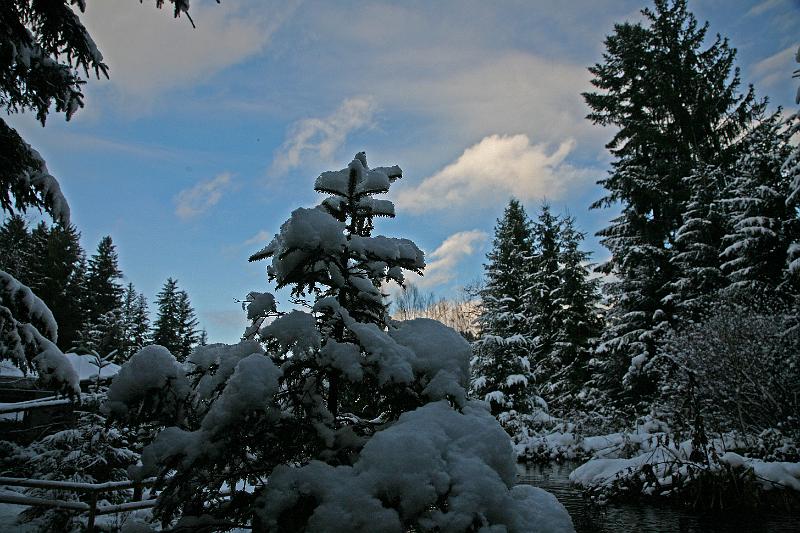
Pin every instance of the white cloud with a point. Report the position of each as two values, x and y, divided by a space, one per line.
148 51
489 172
443 261
322 137
776 68
763 7
262 237
203 196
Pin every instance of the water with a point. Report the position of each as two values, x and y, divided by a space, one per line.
647 518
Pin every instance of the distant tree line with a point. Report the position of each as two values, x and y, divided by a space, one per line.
95 312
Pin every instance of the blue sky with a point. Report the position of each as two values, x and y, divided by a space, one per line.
203 141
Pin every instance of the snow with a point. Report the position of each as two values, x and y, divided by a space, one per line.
55 370
223 358
364 180
251 387
258 304
431 455
11 290
388 249
150 370
309 233
294 331
441 357
343 356
770 474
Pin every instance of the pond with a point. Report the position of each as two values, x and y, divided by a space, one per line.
647 518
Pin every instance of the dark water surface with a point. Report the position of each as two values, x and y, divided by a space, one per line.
646 518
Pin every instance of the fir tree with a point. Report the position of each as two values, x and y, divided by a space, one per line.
675 101
501 368
350 424
135 323
57 275
695 257
15 242
187 326
542 283
167 326
763 219
577 320
102 282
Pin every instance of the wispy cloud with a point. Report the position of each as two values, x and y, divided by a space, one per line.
203 196
776 68
489 172
763 7
262 237
444 260
322 137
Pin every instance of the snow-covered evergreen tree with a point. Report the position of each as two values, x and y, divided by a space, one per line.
577 321
135 323
763 221
542 283
175 326
675 102
695 256
167 325
502 372
15 241
342 420
187 330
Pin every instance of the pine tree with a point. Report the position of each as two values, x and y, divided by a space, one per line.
57 276
188 326
542 283
675 102
167 328
695 257
763 219
15 242
576 318
105 291
351 424
103 302
502 368
135 323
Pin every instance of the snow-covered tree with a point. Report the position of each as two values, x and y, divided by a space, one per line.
175 326
576 318
46 46
340 418
135 323
763 221
695 256
674 101
542 283
502 372
187 329
15 241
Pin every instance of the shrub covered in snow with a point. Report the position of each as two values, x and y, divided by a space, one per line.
738 366
334 417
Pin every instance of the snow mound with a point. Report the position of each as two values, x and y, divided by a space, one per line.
153 376
435 467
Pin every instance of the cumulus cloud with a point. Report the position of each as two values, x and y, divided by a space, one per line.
497 167
149 52
203 196
444 260
322 137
